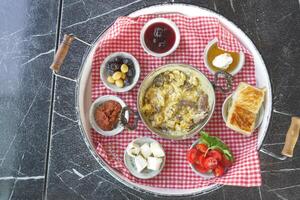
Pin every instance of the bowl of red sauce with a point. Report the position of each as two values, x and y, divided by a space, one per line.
105 113
160 37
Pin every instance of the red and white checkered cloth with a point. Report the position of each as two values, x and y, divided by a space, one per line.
195 33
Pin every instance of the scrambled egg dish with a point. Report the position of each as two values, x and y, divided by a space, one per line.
175 102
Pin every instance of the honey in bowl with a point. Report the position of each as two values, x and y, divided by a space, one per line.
214 51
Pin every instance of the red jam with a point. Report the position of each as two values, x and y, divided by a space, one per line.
160 37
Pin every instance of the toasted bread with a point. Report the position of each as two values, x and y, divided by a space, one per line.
250 98
246 103
241 120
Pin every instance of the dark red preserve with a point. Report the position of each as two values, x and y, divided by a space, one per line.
159 37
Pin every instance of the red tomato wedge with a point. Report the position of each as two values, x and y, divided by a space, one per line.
210 163
201 147
201 169
218 171
191 155
200 159
215 154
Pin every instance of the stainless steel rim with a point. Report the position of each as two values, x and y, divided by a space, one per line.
93 150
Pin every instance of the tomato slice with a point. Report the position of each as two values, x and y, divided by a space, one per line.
215 154
200 159
201 169
218 171
226 162
201 147
210 163
191 155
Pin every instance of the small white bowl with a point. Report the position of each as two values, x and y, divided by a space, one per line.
146 173
235 71
162 20
227 104
104 74
207 175
119 128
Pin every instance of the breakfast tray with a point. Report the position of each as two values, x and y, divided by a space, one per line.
176 175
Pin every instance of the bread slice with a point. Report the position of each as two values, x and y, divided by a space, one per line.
241 120
245 106
248 97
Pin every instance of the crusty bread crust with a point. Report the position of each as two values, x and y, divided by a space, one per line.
241 120
244 109
249 97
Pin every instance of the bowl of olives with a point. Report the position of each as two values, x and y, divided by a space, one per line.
120 71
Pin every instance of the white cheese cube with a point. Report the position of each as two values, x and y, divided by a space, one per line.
133 149
154 163
157 150
145 150
140 163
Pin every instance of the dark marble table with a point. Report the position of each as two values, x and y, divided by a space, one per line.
42 152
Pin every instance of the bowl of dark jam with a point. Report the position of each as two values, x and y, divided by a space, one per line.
160 37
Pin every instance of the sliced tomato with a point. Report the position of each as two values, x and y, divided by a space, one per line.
226 162
200 159
201 147
201 169
216 154
210 163
191 155
218 171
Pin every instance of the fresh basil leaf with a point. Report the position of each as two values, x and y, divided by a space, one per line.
215 143
228 154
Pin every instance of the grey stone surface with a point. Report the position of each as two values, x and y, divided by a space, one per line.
272 25
27 41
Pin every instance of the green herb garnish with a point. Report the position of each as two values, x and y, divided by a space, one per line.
215 143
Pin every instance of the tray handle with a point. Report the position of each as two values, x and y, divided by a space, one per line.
62 52
125 122
291 137
228 77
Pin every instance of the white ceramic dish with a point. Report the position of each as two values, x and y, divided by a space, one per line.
146 173
84 95
168 22
119 128
226 105
104 74
235 71
207 175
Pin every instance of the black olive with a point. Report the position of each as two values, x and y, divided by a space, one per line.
126 61
130 64
110 72
118 60
127 81
108 65
131 72
116 67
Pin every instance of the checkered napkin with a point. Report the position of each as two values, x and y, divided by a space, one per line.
195 33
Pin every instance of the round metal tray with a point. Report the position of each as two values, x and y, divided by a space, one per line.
83 92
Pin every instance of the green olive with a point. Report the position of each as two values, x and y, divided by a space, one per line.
124 68
117 75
